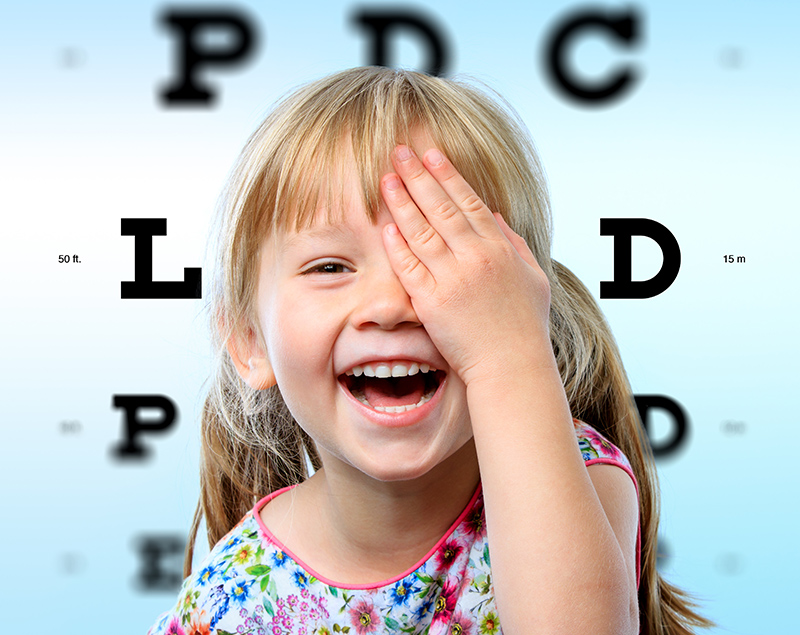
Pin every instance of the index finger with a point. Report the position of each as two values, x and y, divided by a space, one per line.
462 194
426 195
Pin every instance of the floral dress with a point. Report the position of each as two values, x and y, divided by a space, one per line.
250 583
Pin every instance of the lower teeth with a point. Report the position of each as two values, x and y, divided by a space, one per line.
424 399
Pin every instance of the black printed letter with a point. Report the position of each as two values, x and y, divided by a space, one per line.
143 286
190 27
130 447
623 230
382 23
153 550
644 403
624 28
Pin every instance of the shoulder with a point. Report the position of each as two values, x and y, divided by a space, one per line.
221 583
595 448
618 493
598 451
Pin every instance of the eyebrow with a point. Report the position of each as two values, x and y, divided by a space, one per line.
327 231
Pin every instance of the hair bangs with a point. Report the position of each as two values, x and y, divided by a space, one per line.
356 127
355 120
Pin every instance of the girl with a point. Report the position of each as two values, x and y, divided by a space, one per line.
386 309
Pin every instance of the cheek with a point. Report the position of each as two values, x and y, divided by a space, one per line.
298 343
299 352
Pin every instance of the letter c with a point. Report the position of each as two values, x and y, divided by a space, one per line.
624 27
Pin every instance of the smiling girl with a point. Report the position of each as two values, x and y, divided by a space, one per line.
386 309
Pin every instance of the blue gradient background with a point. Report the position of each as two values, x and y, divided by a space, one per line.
706 144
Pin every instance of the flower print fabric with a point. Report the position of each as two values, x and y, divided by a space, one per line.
251 584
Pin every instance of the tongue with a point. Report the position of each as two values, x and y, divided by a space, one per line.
398 391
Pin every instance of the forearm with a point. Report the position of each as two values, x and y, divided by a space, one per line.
556 564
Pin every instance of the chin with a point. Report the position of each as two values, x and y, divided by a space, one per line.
401 464
396 473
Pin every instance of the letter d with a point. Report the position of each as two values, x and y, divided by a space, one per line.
623 230
384 23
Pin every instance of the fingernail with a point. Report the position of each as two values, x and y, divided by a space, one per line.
403 153
435 157
392 182
392 229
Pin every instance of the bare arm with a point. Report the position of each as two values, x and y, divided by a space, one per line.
560 539
562 536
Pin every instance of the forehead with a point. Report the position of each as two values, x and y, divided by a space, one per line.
340 217
322 231
342 183
338 194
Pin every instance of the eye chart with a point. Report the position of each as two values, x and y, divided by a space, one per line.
668 131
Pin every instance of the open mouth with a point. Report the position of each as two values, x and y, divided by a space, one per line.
393 387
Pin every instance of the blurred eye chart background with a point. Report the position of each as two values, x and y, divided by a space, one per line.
683 113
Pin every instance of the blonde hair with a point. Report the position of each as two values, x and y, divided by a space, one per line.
251 445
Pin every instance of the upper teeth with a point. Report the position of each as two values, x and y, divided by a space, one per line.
394 369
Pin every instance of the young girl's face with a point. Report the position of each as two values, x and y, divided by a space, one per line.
330 307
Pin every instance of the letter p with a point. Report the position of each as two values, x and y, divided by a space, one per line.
193 29
135 425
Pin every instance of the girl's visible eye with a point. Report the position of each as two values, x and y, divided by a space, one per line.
327 267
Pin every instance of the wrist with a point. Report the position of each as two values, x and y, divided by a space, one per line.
524 384
521 366
520 407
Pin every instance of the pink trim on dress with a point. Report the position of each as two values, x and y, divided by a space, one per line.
267 534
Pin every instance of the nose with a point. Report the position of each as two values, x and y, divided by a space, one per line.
384 302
